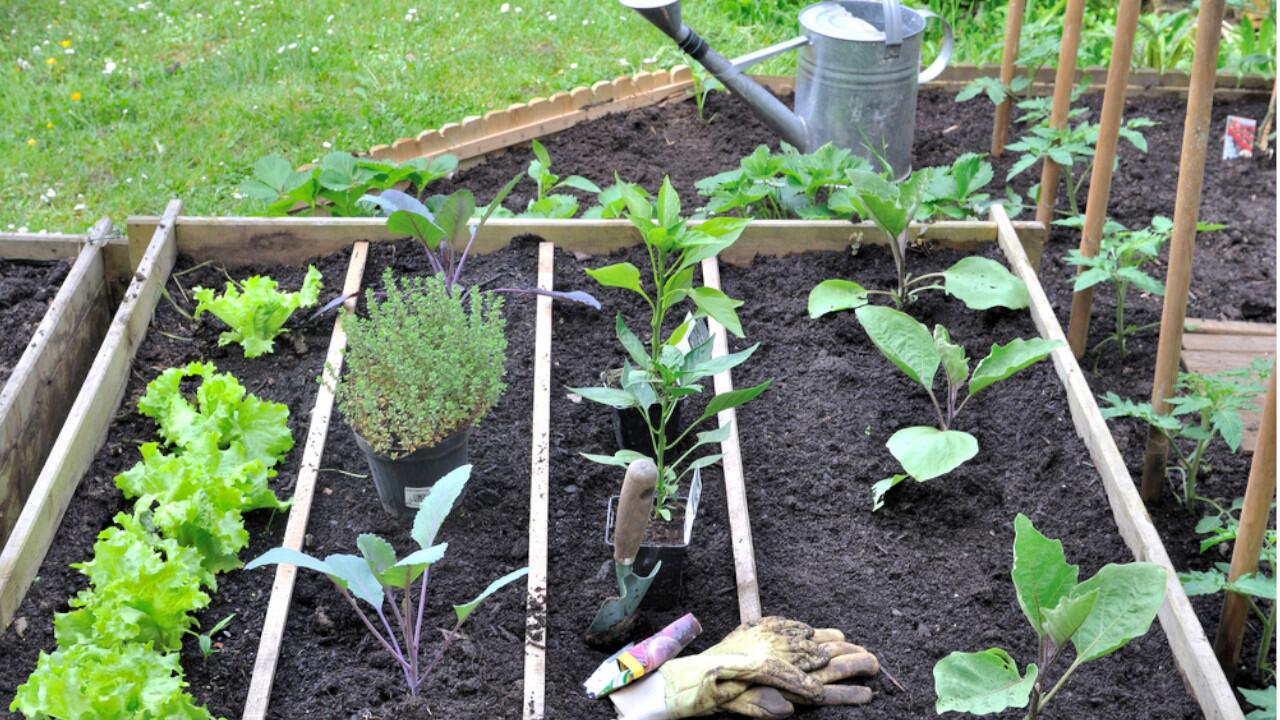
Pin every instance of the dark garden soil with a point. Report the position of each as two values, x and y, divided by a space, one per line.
26 289
287 376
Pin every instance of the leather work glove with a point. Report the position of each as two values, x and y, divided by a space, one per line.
759 670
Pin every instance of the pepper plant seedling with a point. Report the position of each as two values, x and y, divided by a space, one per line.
256 310
704 83
927 452
980 283
1206 406
376 575
661 373
1258 587
443 227
548 203
1097 617
611 203
1121 257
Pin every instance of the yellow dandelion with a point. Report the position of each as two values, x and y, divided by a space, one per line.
51 61
65 43
75 97
31 141
49 125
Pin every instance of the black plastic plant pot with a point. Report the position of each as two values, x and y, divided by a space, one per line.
403 482
629 428
667 590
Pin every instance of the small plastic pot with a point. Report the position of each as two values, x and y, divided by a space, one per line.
667 590
403 482
629 428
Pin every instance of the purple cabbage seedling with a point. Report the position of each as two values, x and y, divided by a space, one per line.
376 576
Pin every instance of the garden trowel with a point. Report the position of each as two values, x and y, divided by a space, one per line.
617 616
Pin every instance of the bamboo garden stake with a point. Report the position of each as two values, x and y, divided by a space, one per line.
1095 215
1063 83
1008 65
1253 526
1186 210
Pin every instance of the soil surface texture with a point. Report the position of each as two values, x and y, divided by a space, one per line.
286 376
26 289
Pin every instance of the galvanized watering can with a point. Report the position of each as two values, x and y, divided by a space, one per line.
856 77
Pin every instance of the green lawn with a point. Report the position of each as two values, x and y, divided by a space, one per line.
199 91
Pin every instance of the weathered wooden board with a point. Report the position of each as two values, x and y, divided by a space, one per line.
535 634
292 241
42 387
1191 649
87 422
273 625
1211 346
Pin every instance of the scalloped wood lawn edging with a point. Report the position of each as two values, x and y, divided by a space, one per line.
37 394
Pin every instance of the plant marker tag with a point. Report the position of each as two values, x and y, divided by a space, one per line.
413 496
1237 141
691 509
639 659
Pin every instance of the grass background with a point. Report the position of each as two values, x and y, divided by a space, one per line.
110 107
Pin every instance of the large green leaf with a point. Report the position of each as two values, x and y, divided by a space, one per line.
1005 360
720 307
1062 621
1128 598
982 283
981 683
620 275
622 458
613 397
415 225
905 342
632 344
833 295
733 399
437 505
353 573
1041 574
464 611
955 364
927 452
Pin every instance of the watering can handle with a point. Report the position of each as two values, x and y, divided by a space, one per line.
944 53
892 26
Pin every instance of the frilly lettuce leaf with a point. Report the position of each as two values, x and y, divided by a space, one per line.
256 310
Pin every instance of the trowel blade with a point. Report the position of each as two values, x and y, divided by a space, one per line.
617 615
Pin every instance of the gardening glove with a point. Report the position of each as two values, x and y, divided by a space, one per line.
775 652
847 661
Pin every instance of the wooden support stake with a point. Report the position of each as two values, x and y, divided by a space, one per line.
273 625
88 420
1063 84
1253 526
1104 160
1187 641
1008 66
535 633
735 490
1186 210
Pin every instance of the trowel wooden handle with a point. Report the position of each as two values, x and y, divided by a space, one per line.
634 508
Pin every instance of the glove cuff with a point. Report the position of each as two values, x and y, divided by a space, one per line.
644 699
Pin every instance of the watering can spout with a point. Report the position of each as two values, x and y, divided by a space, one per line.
665 15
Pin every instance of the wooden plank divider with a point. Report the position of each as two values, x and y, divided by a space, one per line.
277 616
1191 650
88 420
1229 327
735 489
535 636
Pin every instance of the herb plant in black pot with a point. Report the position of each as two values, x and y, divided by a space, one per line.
659 373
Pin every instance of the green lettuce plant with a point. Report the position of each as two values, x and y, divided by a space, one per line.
980 283
928 452
124 682
256 310
1204 407
657 372
1096 617
339 184
377 575
1259 587
548 203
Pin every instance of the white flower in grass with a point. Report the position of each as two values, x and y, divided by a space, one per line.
109 67
506 7
50 193
315 49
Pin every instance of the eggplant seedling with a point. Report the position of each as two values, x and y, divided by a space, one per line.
928 452
1205 406
661 373
377 575
1096 617
980 283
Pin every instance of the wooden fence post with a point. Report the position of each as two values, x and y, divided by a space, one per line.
1095 215
1008 66
1248 545
1186 210
1063 83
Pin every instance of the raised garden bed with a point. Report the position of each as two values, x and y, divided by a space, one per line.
57 293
